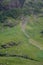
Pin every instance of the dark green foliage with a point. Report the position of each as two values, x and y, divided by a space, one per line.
26 11
14 13
2 16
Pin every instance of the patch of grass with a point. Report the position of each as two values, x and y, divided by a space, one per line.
37 27
18 61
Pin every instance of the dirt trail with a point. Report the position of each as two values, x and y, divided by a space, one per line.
23 26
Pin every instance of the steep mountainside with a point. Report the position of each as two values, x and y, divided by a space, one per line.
9 4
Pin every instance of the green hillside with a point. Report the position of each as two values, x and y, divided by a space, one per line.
21 34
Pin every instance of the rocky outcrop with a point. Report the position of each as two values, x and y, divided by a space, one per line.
12 4
9 45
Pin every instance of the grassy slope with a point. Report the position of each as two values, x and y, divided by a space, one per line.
18 61
34 29
25 48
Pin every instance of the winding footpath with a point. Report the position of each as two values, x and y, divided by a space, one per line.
23 26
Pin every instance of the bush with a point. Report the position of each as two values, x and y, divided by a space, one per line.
14 13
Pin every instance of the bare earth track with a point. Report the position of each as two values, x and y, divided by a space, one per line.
23 26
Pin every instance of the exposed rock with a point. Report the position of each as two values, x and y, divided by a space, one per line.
8 45
12 4
9 24
12 44
4 46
